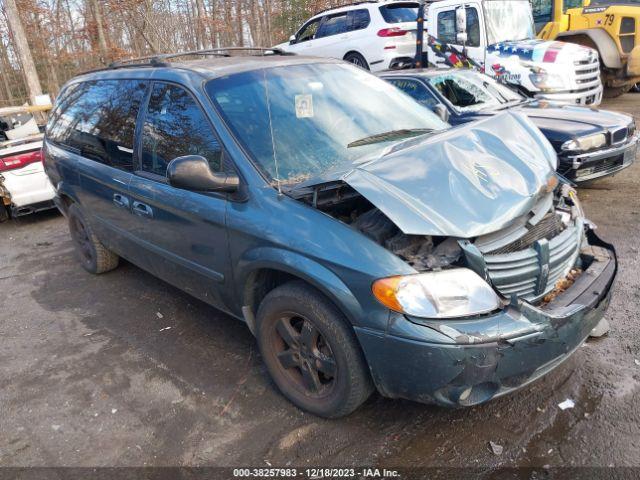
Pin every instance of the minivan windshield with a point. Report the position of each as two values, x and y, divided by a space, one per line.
508 20
299 121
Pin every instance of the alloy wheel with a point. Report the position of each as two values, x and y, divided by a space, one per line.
303 355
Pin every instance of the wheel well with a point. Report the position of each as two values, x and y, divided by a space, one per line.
66 199
581 39
352 52
261 282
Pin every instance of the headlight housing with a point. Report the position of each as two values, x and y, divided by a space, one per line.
546 81
584 144
451 293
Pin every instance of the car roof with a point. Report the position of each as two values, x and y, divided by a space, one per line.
206 68
355 5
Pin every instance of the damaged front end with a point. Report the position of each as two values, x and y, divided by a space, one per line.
546 277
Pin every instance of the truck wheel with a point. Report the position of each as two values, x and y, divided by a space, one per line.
357 59
4 213
613 92
636 88
94 257
310 351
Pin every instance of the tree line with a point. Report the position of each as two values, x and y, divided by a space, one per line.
43 43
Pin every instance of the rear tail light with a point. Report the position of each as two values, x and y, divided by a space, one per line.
392 32
21 160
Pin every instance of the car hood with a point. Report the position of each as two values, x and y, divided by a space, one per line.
576 121
542 51
467 181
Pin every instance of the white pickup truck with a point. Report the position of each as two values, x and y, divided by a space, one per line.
497 35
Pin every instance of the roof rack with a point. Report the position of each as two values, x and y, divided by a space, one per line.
160 60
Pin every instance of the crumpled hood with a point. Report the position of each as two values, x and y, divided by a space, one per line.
465 182
541 51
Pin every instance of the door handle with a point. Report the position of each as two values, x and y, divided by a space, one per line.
120 200
142 209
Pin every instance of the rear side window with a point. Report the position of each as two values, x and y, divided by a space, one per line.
400 12
358 20
98 119
417 90
175 126
333 25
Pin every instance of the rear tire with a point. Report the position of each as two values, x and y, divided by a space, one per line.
4 213
357 59
93 255
311 352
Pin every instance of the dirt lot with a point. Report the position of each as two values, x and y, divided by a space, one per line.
91 376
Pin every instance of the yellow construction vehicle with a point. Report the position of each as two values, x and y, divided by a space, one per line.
612 27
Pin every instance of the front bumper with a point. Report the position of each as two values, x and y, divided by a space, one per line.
468 362
589 166
591 97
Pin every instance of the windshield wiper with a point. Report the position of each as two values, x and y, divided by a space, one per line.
391 135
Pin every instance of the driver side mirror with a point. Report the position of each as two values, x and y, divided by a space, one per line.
461 25
442 112
192 172
292 39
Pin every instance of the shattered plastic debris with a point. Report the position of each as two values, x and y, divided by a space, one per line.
114 410
568 403
496 448
637 362
165 328
159 315
562 285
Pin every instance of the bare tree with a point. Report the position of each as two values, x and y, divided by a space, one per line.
102 41
23 50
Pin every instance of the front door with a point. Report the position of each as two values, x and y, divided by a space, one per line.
183 232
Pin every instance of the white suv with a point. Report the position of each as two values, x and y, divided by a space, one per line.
373 35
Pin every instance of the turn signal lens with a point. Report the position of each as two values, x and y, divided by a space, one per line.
385 291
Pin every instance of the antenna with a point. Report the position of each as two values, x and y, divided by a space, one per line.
273 142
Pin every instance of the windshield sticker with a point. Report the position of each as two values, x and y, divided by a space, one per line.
304 106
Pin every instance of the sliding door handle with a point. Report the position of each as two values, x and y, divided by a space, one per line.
120 200
142 209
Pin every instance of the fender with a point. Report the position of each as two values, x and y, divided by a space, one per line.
63 189
306 269
606 46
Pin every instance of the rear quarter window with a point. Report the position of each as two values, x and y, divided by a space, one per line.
98 120
400 12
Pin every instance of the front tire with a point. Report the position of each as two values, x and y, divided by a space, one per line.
357 59
614 92
311 352
93 255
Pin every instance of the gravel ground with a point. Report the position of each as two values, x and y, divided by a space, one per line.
91 376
